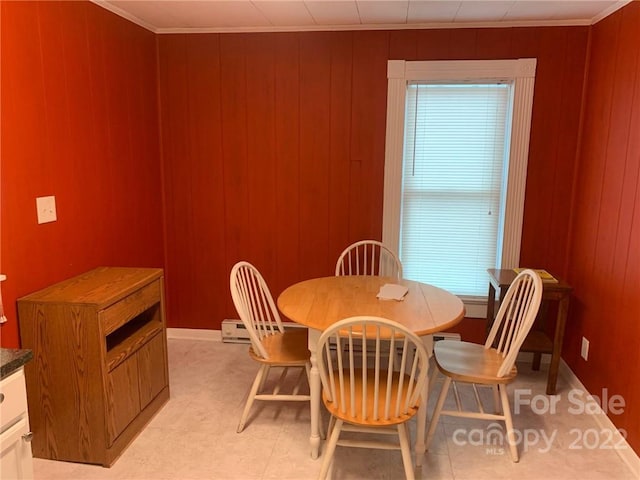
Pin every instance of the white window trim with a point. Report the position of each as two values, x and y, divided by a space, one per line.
522 73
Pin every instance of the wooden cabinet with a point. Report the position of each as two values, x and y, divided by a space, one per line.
99 372
15 449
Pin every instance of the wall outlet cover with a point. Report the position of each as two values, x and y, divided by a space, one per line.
584 352
46 208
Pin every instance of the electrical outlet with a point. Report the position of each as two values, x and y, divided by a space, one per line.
585 349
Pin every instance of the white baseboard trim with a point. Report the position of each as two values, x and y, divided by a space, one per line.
195 334
627 454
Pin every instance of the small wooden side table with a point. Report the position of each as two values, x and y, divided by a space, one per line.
537 341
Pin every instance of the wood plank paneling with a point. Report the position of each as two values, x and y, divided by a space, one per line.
556 126
494 43
173 75
79 121
203 166
342 92
302 127
27 123
287 160
233 84
260 141
604 265
565 154
368 124
314 128
434 44
403 45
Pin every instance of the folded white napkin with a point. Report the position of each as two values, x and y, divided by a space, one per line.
391 291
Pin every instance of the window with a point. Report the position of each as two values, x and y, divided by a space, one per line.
455 170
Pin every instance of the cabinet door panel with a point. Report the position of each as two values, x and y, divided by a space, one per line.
123 399
15 452
14 397
152 369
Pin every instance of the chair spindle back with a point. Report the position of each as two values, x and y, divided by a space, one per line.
369 257
372 369
515 317
254 303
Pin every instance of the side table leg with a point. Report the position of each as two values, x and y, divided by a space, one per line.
563 308
537 357
491 305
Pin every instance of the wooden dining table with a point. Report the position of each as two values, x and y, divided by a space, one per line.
320 302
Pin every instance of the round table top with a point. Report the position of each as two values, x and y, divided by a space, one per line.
320 302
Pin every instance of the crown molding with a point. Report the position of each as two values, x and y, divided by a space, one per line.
390 26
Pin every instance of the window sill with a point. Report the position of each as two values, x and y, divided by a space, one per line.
475 307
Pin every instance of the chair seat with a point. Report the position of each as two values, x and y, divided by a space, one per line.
369 419
470 362
290 348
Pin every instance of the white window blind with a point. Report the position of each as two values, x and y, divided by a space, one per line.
456 147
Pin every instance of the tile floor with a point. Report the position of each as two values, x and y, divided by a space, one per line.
194 435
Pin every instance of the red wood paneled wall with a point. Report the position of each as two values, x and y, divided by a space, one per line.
273 149
79 121
604 265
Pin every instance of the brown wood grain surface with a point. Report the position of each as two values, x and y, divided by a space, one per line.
320 302
100 364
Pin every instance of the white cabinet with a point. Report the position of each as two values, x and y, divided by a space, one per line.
15 437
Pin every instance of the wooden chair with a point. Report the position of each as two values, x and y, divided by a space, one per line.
369 257
371 383
491 364
271 345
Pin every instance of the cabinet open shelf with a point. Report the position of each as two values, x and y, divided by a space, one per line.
122 342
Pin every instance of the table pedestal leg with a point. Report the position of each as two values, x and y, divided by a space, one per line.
421 430
314 389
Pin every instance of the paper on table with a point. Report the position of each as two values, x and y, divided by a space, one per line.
391 291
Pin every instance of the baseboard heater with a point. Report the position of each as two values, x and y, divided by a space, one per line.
234 331
446 336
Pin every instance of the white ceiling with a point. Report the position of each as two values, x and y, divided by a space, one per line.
169 16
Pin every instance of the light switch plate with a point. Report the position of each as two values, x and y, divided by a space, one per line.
46 207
